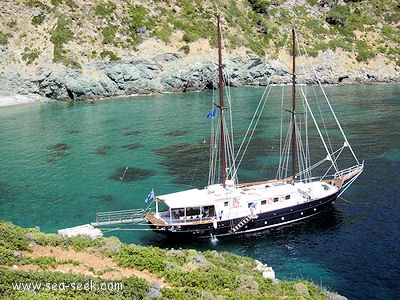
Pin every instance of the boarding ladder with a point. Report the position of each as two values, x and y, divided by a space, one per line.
240 225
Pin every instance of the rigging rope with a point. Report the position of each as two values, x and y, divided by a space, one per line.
332 111
255 119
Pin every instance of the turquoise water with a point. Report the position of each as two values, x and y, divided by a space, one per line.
60 163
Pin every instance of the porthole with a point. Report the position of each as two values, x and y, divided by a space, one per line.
283 218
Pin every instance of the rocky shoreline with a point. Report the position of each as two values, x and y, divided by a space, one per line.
172 73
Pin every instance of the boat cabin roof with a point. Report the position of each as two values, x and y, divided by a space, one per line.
189 198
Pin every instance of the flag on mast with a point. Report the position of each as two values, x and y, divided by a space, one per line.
150 196
212 114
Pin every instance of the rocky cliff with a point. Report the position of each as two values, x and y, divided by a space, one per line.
74 49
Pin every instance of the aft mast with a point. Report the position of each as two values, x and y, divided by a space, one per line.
221 105
294 148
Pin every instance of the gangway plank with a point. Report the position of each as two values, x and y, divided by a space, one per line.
128 216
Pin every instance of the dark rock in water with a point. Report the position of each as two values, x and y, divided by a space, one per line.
57 151
59 147
57 154
175 133
103 150
73 131
130 174
187 163
131 146
132 133
104 198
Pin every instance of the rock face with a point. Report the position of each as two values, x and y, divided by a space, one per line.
267 272
170 72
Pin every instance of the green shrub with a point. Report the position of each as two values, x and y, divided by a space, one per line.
12 24
7 257
335 43
56 2
391 34
338 15
364 51
109 34
37 20
13 237
104 9
185 49
71 4
111 55
61 33
259 6
137 14
37 3
188 37
164 33
29 56
3 39
142 258
316 27
188 7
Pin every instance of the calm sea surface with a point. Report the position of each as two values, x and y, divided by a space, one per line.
60 163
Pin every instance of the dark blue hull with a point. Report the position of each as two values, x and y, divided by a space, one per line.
259 222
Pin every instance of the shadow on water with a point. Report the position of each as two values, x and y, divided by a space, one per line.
324 223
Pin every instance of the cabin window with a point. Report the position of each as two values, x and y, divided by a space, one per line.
263 202
226 203
287 197
276 199
252 205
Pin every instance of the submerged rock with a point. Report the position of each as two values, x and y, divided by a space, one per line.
130 174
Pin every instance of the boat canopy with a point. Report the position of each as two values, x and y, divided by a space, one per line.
189 198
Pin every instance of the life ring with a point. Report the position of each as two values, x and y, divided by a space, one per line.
235 203
282 198
269 201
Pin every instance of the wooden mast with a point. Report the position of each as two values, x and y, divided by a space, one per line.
221 105
294 148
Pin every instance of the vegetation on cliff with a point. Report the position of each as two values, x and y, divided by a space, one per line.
75 31
53 266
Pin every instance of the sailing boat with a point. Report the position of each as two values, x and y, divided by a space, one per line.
228 207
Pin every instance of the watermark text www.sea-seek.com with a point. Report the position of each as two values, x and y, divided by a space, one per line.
89 285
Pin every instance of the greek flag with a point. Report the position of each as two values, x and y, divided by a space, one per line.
150 196
212 114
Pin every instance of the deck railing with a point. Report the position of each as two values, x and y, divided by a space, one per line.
119 217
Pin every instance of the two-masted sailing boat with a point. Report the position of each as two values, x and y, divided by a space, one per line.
300 190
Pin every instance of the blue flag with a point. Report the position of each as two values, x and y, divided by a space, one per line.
212 114
150 196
